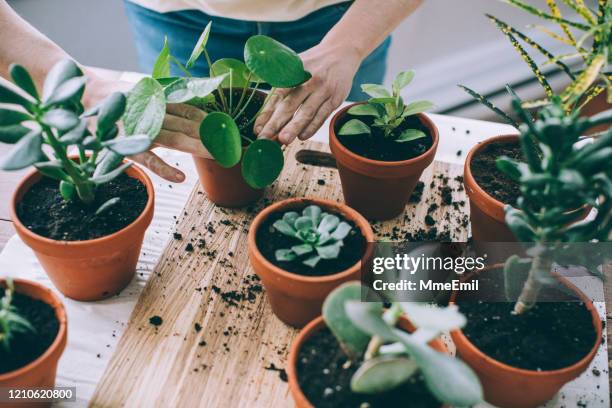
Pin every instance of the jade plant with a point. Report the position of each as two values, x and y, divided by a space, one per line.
321 234
589 38
56 122
227 94
565 174
11 322
387 356
387 111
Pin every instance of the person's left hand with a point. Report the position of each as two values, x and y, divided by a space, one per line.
300 112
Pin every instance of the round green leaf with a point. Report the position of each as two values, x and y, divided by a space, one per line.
146 108
354 127
67 190
61 119
409 135
111 110
274 62
25 153
71 89
382 374
23 79
262 163
220 135
234 68
60 73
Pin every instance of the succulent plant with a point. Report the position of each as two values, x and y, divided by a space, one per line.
222 130
11 321
321 233
367 333
388 110
57 119
564 175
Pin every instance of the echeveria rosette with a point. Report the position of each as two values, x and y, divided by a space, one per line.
563 175
266 61
387 111
321 233
389 357
57 119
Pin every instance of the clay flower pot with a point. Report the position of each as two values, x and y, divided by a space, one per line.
379 189
225 187
313 327
93 269
297 299
510 387
40 372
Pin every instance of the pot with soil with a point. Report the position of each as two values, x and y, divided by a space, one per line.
33 337
84 217
303 248
359 354
524 360
382 147
241 165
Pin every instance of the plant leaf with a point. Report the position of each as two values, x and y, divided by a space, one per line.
60 119
285 255
313 212
409 135
22 78
284 227
12 134
74 135
9 117
302 249
111 110
71 89
376 91
145 109
382 374
290 217
417 107
262 163
367 316
129 145
234 68
106 177
402 80
364 109
25 153
312 261
221 137
484 101
109 161
341 231
200 46
329 251
274 62
201 87
328 223
161 68
53 169
107 205
434 318
60 73
12 95
354 127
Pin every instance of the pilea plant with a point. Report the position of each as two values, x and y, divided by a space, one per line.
322 235
227 94
590 39
565 176
388 356
388 110
11 321
57 120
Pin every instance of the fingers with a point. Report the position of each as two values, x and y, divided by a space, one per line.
179 124
154 163
272 100
322 114
179 141
284 111
304 116
186 111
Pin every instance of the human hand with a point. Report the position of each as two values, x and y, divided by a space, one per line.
300 112
180 128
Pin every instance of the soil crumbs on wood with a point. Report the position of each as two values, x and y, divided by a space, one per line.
490 178
27 347
44 212
325 381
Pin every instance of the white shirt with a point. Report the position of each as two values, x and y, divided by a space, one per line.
249 10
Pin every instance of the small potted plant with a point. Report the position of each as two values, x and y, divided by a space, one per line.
83 215
241 165
381 148
566 332
33 332
358 354
303 248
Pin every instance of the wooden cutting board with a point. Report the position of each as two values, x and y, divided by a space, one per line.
218 343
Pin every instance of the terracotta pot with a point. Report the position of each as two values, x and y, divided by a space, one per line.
93 269
313 327
378 189
510 387
225 187
297 299
40 372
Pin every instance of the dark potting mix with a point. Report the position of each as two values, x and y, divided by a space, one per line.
27 347
269 240
377 147
244 122
43 210
492 180
325 379
553 334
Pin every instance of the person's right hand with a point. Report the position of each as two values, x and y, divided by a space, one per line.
180 129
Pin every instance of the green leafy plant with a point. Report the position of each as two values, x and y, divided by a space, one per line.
388 356
590 39
224 131
388 110
56 120
11 322
322 235
567 175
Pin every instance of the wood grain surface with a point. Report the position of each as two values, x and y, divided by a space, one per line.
219 345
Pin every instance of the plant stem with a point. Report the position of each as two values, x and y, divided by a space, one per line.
212 72
540 266
242 94
231 93
246 104
181 67
391 316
